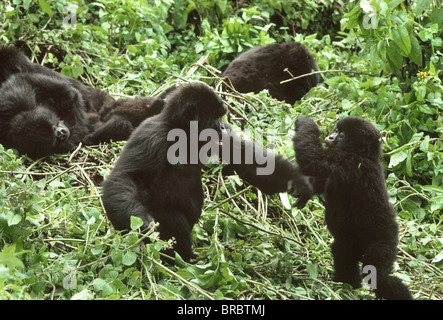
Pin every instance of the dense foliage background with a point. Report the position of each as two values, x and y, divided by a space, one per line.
382 61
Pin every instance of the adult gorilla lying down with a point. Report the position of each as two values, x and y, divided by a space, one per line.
151 181
43 112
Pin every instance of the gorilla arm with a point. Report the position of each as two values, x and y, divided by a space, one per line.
321 163
269 172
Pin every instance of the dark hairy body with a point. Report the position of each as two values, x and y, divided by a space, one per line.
358 213
147 183
265 67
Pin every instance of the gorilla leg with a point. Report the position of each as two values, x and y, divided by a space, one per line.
120 200
382 255
346 264
175 225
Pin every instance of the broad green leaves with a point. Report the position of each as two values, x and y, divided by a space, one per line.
403 45
400 36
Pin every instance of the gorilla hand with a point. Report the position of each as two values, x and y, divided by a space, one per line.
301 187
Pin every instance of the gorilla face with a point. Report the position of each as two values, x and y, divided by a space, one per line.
61 131
38 131
355 135
337 139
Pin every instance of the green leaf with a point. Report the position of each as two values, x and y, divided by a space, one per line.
85 294
136 223
420 6
424 145
312 269
129 258
9 259
438 257
394 57
402 40
45 7
437 203
397 158
13 219
416 52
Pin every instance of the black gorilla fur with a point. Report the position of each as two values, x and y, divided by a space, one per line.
12 61
358 212
40 115
119 119
263 67
145 184
43 112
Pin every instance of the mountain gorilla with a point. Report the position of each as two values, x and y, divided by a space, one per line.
43 112
13 62
358 212
41 115
265 67
145 184
151 181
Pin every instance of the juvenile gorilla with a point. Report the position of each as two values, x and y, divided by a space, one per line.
358 212
147 183
144 184
265 67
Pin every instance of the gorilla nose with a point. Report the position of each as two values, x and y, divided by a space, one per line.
61 132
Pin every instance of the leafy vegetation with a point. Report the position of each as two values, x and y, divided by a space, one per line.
382 61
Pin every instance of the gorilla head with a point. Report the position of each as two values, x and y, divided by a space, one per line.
38 132
356 135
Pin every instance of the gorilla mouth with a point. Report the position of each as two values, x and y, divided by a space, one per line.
329 144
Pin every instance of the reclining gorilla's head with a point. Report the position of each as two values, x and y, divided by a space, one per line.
38 132
38 116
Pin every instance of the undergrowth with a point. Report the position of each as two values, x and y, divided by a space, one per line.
55 239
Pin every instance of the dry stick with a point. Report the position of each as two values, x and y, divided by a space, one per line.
224 81
261 229
74 153
326 71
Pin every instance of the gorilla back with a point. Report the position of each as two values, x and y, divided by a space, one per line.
265 67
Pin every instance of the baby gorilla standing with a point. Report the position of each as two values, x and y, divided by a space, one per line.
144 183
358 212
